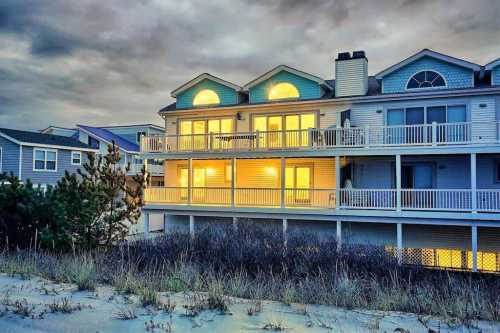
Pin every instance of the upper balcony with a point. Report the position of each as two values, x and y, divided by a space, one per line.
435 134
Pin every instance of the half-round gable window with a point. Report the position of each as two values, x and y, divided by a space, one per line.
206 97
426 79
283 90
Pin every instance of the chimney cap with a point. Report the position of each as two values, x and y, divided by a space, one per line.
343 56
358 54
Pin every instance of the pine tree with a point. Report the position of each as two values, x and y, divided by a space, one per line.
99 203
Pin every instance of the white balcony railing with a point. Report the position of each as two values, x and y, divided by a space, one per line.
453 200
405 135
153 169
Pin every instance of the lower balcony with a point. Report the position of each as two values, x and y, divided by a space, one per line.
451 200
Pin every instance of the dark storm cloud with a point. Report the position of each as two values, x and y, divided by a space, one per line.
106 62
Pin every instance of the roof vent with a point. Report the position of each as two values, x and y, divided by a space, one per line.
351 74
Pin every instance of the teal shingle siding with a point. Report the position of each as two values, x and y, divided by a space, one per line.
10 156
495 76
455 76
308 89
227 96
47 177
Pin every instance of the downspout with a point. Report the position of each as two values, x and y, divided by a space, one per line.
20 162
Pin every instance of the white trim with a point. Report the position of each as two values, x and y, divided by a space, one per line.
413 95
20 161
1 159
79 153
106 141
45 159
133 126
427 88
200 78
32 144
491 65
285 68
432 54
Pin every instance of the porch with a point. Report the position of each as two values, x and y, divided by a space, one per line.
434 134
311 183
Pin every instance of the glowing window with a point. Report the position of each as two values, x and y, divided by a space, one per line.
206 97
283 90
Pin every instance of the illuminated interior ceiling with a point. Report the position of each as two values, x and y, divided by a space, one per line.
206 97
283 90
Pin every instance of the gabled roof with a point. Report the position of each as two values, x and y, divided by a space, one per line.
200 78
45 130
108 137
489 66
280 68
432 54
134 126
41 139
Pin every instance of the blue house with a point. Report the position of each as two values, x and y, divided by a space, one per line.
42 158
126 138
408 158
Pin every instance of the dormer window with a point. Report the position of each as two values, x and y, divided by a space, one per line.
426 79
206 97
283 90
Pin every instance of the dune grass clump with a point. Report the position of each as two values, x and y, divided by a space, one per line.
252 262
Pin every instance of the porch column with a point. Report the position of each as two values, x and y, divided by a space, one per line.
337 182
233 179
235 223
398 183
339 235
283 167
399 248
191 226
190 180
146 171
473 182
285 228
474 247
146 225
165 222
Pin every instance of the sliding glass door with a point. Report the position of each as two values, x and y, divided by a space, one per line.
294 125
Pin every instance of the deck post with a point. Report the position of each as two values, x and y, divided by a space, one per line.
399 248
473 182
474 247
398 183
285 228
235 223
233 179
282 174
191 226
146 225
434 133
165 222
190 180
337 182
339 235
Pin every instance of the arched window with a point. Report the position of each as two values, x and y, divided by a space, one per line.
206 97
426 79
283 90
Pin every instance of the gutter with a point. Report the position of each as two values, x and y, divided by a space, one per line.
352 99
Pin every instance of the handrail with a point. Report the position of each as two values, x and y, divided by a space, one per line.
453 200
372 136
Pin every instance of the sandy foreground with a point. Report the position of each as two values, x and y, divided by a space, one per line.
98 312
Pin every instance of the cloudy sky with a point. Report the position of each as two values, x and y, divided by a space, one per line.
99 62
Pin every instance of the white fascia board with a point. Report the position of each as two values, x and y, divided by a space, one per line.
432 54
200 78
285 68
493 64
